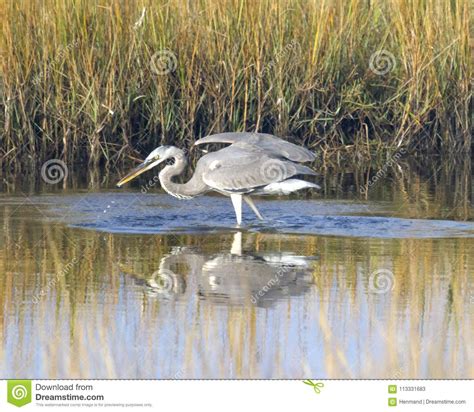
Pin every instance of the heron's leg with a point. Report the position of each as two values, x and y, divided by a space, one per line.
237 203
250 202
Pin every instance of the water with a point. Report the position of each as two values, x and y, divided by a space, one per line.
101 283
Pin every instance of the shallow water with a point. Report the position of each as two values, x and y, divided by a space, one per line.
134 213
108 283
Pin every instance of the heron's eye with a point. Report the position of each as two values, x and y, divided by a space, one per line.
170 162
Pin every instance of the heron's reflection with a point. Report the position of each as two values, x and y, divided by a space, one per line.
235 277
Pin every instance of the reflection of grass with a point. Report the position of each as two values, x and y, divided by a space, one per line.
95 322
78 81
437 190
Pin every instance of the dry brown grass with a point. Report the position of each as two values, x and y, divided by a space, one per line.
77 82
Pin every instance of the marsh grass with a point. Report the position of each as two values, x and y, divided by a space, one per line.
78 82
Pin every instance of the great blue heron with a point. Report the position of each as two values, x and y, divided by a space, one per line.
253 164
235 277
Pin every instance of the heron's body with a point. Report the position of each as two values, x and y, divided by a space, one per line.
253 164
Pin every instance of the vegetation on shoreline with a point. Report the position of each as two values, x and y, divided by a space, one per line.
102 82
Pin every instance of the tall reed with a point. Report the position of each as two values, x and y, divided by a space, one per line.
80 79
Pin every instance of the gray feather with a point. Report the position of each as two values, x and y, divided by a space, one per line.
243 167
272 145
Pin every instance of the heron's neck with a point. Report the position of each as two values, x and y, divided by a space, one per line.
195 186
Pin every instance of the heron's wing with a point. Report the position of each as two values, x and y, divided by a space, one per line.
272 145
242 167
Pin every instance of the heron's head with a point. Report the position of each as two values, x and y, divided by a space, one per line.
157 156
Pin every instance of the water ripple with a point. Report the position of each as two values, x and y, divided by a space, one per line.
159 213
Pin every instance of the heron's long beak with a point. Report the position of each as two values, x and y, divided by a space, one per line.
137 171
